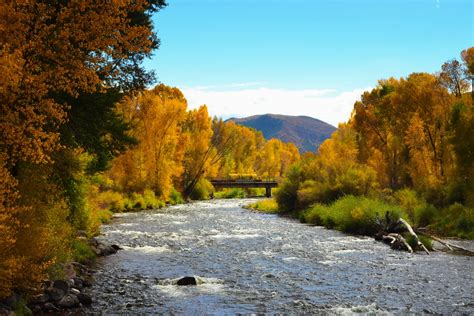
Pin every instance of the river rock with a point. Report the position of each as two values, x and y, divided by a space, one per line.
54 294
84 299
5 310
49 307
104 250
62 285
187 281
94 242
78 283
116 247
68 301
74 291
40 299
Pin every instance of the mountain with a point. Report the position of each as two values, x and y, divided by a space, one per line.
305 132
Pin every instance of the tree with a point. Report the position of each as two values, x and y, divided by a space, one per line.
467 56
452 76
61 61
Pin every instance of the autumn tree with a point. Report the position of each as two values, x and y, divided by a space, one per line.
467 56
452 76
156 162
60 60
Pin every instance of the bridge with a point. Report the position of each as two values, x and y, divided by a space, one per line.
241 183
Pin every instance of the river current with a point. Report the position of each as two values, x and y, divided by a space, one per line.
252 263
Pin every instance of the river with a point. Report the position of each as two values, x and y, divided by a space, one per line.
251 263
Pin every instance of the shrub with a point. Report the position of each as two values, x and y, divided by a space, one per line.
233 193
138 202
97 218
356 215
175 197
286 195
254 192
151 201
110 200
456 220
202 190
423 239
265 206
82 251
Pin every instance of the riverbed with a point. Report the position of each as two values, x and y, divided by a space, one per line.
252 263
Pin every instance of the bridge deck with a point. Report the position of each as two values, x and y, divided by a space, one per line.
268 185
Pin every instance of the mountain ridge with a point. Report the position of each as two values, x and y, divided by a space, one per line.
306 132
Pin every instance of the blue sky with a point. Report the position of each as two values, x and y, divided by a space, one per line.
301 57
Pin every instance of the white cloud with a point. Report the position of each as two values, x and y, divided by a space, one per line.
328 105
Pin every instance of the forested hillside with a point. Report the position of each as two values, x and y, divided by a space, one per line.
305 132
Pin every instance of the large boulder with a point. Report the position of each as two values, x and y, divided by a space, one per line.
62 285
187 281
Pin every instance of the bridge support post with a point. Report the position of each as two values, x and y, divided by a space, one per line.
268 191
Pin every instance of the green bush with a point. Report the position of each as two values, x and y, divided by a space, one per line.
254 192
287 194
423 239
138 201
455 220
356 215
233 193
151 201
202 190
266 206
111 200
82 251
175 197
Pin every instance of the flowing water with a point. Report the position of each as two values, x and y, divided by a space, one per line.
251 263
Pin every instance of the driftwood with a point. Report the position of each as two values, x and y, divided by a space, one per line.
412 232
390 232
448 245
396 241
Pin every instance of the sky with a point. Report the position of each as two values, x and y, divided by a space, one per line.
301 57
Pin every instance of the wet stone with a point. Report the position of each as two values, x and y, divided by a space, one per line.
61 285
84 299
68 301
187 281
55 294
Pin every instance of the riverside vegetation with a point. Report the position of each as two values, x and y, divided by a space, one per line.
404 153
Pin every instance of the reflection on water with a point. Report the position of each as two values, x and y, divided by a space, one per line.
254 263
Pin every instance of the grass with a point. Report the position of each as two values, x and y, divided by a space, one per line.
269 206
233 193
350 214
455 221
82 251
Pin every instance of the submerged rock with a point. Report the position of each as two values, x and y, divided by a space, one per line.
187 281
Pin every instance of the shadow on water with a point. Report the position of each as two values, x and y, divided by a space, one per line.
245 262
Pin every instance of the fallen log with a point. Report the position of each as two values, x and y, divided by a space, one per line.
451 247
412 232
396 241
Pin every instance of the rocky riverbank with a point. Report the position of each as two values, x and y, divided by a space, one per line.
69 293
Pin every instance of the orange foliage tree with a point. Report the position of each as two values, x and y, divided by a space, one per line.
50 52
